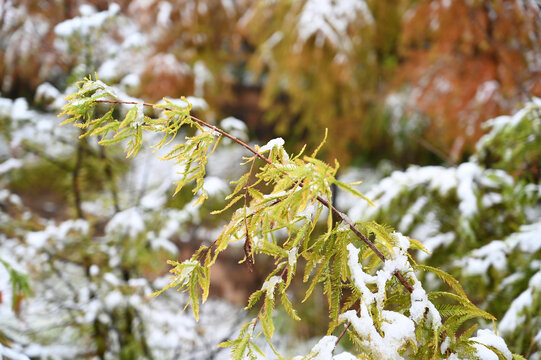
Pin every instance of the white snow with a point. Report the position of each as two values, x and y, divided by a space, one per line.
164 13
345 356
9 165
52 351
413 211
113 299
11 354
215 186
46 92
109 70
85 23
397 262
60 232
129 222
324 348
279 194
196 102
466 174
112 279
420 303
94 270
292 256
495 253
446 3
202 75
329 20
169 65
487 337
232 123
435 241
514 315
527 239
396 327
502 123
130 81
486 90
445 345
360 278
270 284
140 113
278 143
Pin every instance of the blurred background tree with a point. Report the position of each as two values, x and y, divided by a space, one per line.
411 80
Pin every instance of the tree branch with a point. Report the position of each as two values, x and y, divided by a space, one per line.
324 202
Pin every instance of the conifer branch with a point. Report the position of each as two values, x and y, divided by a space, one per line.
324 202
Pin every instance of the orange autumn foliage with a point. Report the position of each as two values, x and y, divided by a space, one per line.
468 61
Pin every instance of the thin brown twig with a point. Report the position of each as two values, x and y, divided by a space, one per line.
248 242
203 253
342 334
324 202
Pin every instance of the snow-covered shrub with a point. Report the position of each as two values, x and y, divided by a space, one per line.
94 273
480 221
512 144
458 207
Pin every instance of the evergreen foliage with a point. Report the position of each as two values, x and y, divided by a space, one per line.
488 218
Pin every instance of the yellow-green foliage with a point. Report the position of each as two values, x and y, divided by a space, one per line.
363 268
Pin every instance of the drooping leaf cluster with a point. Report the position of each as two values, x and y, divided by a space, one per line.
191 155
364 268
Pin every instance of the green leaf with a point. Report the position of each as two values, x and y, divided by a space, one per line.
417 245
518 357
383 235
131 115
254 298
266 317
352 191
241 345
447 278
288 307
231 203
272 249
194 296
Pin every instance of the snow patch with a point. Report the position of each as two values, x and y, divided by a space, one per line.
278 143
488 337
129 222
10 164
